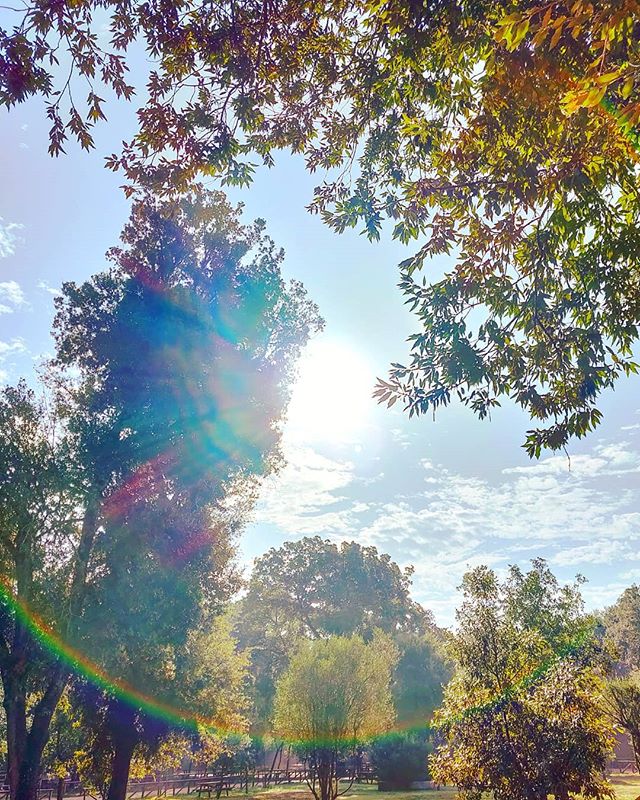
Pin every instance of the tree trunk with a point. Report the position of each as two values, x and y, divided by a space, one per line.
326 776
15 711
37 738
25 745
124 737
635 744
120 770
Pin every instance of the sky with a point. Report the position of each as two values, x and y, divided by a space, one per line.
442 495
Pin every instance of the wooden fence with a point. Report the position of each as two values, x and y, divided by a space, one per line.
204 785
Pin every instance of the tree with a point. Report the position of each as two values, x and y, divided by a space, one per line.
623 702
422 671
523 715
334 694
188 348
622 623
400 758
46 528
505 135
315 588
150 358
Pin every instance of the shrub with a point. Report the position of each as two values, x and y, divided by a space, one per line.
400 758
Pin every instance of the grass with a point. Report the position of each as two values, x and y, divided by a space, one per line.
627 787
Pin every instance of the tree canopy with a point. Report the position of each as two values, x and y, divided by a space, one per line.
524 714
622 622
334 694
315 588
169 384
505 136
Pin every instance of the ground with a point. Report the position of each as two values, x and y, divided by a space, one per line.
627 787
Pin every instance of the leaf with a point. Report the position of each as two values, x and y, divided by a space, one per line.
520 32
627 87
556 37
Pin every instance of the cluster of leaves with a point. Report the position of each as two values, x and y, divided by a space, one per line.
622 622
622 625
334 693
422 671
399 759
121 501
623 702
505 139
524 714
314 588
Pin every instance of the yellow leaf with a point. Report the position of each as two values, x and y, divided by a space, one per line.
573 101
539 37
607 78
520 32
510 19
627 88
594 97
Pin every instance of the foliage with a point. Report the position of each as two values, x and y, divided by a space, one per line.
207 681
41 562
315 588
523 716
422 671
334 694
399 759
232 753
623 702
502 134
145 465
193 315
622 622
67 739
331 589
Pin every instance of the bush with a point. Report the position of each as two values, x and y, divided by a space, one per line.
399 759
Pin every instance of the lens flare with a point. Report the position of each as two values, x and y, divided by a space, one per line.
84 667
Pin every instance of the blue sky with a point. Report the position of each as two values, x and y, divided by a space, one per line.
443 495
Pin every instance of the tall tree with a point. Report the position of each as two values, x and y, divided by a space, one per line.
152 358
315 588
335 693
622 623
523 716
46 528
192 343
505 134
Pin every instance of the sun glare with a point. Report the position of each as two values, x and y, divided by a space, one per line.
332 397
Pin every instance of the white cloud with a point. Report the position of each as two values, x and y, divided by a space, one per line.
14 346
9 237
46 287
306 497
600 551
7 350
585 516
401 438
11 297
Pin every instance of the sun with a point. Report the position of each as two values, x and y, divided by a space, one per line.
331 399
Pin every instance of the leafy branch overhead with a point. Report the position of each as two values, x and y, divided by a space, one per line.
503 137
